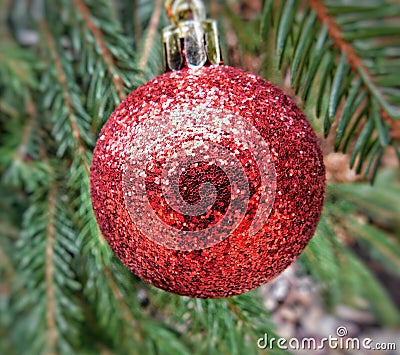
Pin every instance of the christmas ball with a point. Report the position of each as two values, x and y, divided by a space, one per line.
207 182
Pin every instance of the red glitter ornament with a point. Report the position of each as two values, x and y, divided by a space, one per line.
207 182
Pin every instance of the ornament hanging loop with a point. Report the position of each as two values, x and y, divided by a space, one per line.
192 39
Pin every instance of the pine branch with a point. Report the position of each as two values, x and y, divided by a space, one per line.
9 282
79 125
332 74
5 263
378 202
218 326
90 235
110 306
18 77
45 254
94 248
382 246
354 60
101 288
103 62
121 303
19 153
344 276
105 53
6 266
22 150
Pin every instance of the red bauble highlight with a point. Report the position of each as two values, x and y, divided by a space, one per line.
156 240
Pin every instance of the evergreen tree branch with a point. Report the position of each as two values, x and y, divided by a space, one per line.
9 283
125 311
6 265
236 311
117 313
117 319
81 160
45 254
344 277
62 78
18 69
19 154
22 149
333 73
108 58
98 256
255 319
353 59
218 326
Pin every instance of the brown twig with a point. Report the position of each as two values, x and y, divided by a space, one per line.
51 321
151 35
23 146
106 54
239 315
120 299
336 34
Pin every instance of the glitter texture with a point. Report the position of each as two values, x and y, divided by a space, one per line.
193 175
233 262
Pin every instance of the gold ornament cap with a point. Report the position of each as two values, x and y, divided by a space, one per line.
192 39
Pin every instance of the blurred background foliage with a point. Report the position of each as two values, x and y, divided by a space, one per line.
65 65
